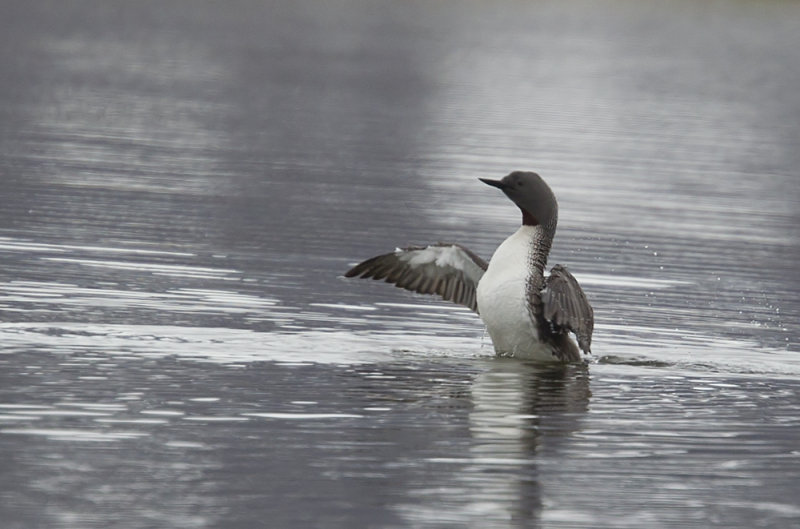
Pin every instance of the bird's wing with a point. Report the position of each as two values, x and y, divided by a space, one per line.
449 270
565 306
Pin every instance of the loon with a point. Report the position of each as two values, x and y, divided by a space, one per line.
526 314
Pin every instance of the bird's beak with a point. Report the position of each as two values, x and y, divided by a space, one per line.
494 183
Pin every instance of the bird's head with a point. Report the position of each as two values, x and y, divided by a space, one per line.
531 194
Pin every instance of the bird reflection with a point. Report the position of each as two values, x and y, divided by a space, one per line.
520 411
472 458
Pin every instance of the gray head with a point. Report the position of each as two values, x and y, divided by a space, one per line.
532 195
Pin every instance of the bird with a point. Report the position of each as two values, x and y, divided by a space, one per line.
527 315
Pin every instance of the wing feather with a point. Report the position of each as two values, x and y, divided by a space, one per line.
565 306
449 270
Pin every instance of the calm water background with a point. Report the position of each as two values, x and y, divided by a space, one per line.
183 184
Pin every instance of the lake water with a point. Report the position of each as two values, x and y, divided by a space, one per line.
184 184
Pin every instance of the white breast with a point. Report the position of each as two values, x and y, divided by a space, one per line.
502 301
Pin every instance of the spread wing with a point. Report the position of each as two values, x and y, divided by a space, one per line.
449 270
565 306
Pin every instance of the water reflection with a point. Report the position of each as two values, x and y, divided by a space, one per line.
518 413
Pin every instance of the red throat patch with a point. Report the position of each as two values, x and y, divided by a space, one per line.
528 219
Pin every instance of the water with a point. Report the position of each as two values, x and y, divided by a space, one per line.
183 185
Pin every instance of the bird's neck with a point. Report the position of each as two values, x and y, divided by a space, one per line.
541 239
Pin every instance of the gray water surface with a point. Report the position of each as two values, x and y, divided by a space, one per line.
183 185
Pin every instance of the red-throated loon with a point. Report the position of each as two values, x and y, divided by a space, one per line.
526 314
